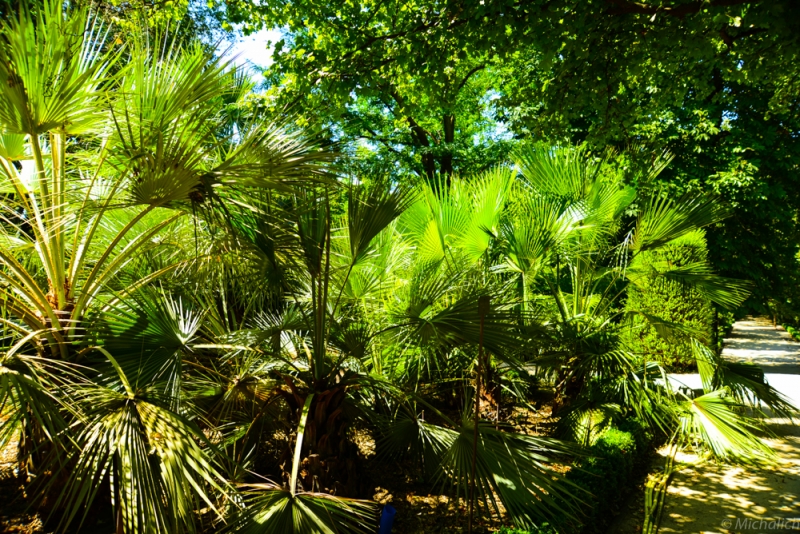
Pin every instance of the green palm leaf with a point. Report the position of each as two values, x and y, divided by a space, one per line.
271 510
51 64
745 381
148 332
666 219
510 467
716 421
151 457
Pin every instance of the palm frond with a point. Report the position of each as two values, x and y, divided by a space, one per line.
715 421
511 467
149 455
727 292
53 62
746 382
272 510
666 219
370 212
148 332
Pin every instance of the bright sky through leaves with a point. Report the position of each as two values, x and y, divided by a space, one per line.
254 50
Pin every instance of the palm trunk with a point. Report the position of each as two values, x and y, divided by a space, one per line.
483 305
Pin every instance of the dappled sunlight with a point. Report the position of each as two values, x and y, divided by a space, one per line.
706 497
758 341
702 497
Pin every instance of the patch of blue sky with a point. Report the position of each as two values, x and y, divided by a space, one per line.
254 51
498 130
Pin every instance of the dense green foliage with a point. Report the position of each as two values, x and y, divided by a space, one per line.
437 86
410 80
792 331
607 473
672 302
203 306
714 82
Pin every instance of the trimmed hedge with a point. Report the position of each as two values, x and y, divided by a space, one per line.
792 331
671 301
607 474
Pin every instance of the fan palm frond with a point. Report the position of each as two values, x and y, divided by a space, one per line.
149 455
666 219
270 509
510 467
715 420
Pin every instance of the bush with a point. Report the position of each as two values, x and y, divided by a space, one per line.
671 301
607 474
641 435
610 466
792 331
725 320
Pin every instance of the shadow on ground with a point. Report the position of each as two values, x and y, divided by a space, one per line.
709 498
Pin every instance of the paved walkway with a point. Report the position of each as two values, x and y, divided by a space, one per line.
722 499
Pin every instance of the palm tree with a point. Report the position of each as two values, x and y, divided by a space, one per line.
567 242
572 239
344 346
197 315
109 151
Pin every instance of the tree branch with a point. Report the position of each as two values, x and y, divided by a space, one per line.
729 39
419 132
469 75
383 140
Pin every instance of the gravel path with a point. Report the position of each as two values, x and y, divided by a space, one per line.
725 499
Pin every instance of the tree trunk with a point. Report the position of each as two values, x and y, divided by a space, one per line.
449 127
330 462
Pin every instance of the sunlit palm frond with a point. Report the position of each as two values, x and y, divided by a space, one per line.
535 234
12 147
51 65
727 292
715 421
370 212
272 510
666 219
457 323
148 455
269 155
486 197
148 332
746 382
561 171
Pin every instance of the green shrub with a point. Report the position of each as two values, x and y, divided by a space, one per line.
792 331
610 465
641 435
607 475
671 301
725 320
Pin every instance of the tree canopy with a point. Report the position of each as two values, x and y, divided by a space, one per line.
445 86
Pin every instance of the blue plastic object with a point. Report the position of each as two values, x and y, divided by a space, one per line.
387 518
